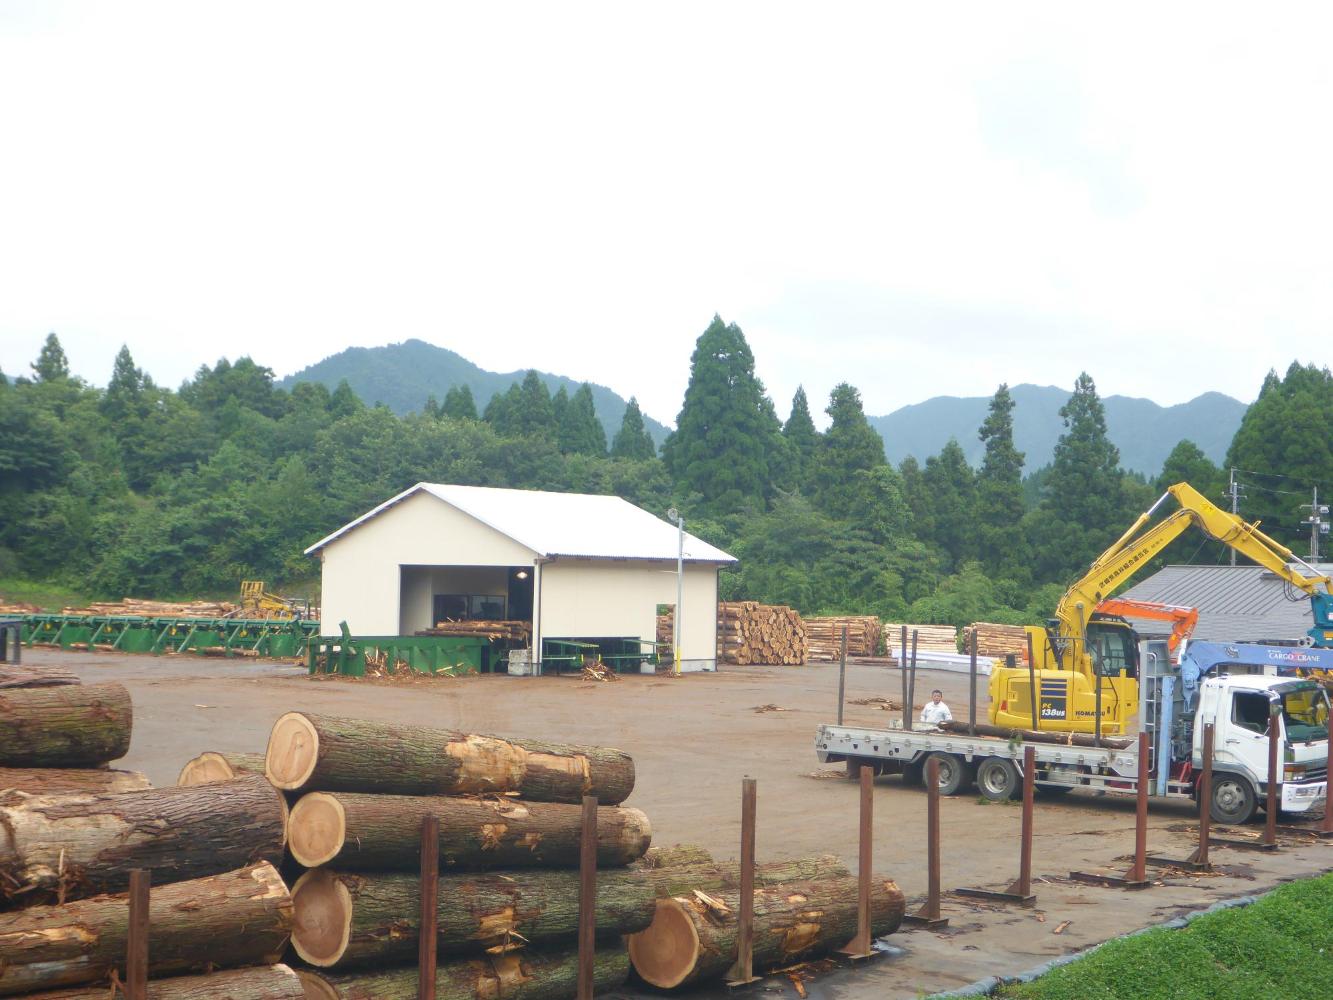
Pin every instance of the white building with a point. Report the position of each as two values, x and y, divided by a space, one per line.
578 567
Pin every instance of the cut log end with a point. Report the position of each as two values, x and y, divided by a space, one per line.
323 920
214 766
666 953
317 987
316 829
293 751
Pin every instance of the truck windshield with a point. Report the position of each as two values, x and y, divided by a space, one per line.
1305 713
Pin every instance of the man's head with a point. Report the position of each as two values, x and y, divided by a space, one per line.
936 695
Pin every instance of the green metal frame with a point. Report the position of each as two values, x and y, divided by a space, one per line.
427 654
271 637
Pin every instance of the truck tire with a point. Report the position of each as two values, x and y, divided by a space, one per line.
953 772
1233 799
998 780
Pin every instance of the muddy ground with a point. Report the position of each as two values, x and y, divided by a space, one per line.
693 739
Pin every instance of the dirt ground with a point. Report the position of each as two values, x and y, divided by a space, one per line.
694 738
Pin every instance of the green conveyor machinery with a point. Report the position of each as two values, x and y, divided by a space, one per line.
167 634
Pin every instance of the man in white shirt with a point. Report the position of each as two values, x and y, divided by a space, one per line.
936 711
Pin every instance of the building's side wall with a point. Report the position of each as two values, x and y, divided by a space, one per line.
598 598
362 582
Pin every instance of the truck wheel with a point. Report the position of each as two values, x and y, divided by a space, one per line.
953 773
997 779
1233 799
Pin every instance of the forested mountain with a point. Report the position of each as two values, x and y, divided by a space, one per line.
403 376
1144 432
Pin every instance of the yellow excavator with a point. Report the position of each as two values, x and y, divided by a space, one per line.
257 602
1085 663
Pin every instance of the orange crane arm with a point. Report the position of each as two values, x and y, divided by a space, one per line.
1183 619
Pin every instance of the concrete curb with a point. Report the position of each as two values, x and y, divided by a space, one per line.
986 987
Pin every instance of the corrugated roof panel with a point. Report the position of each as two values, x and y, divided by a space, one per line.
1236 603
569 525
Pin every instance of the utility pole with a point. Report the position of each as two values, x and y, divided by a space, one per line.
1318 526
1233 491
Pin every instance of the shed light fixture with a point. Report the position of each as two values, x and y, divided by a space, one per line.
521 575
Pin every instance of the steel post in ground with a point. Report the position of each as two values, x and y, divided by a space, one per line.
743 971
1270 817
972 686
1032 687
587 898
908 710
1021 890
428 940
1136 877
1198 860
1326 827
842 675
859 946
136 948
902 669
929 914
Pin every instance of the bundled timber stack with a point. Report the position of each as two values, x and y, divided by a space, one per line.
73 831
802 909
666 628
997 640
823 637
750 632
511 631
155 609
17 609
929 638
510 821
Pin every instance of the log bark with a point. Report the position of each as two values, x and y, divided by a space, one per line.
687 943
66 781
383 832
73 846
273 982
22 675
321 753
1031 736
678 880
238 918
74 725
345 919
519 976
675 856
215 766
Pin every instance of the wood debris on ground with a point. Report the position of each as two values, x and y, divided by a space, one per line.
883 704
1062 926
599 671
770 707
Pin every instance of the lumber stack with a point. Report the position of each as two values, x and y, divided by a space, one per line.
823 637
929 638
155 609
510 820
997 640
74 830
511 631
750 632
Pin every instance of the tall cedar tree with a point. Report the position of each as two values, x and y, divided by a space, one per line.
849 446
124 392
581 433
535 416
727 434
559 413
950 484
1000 506
459 404
916 498
502 411
633 440
802 440
1283 444
1085 502
51 363
1188 464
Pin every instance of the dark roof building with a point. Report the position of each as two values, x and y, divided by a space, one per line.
1236 603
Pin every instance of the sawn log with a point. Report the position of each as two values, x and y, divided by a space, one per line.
73 725
1031 736
237 918
214 766
273 982
71 780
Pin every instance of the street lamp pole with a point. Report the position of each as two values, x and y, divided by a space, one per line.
678 617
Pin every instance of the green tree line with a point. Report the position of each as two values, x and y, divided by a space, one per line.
138 489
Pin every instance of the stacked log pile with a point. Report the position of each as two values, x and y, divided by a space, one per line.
155 609
823 637
74 830
998 640
929 638
510 820
750 632
511 631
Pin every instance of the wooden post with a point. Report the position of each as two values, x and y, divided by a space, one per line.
972 679
1270 819
428 940
842 675
1200 857
743 971
587 897
859 946
136 952
1138 871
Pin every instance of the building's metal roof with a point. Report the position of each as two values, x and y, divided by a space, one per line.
1236 603
559 525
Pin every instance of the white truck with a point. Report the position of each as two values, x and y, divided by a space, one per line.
1240 696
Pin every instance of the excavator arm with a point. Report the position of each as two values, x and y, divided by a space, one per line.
1183 620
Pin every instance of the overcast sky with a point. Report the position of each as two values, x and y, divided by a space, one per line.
919 199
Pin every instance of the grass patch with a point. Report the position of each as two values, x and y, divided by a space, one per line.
47 596
1280 946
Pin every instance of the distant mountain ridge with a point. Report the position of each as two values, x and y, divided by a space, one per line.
403 376
1144 431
